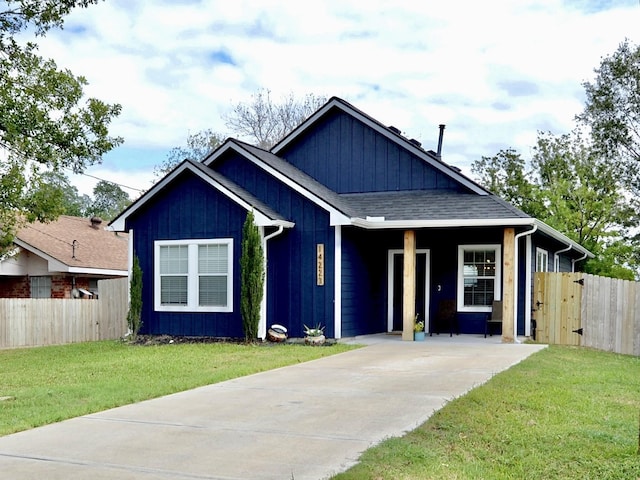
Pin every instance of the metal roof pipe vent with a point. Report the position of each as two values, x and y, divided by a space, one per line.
95 222
439 152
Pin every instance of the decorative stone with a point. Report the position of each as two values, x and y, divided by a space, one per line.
317 340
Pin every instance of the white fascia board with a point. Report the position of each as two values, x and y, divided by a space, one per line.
54 265
336 216
490 222
552 232
261 219
419 152
98 271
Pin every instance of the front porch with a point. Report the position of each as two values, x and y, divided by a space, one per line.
390 276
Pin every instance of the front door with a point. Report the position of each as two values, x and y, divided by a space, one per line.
394 310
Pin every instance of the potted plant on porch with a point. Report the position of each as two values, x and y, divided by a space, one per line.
315 335
418 329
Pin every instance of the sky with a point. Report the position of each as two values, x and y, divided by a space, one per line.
495 73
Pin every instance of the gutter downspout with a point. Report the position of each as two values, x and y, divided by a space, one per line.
517 281
556 258
576 260
262 328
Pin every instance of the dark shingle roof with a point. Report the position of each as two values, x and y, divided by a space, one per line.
238 191
431 205
300 178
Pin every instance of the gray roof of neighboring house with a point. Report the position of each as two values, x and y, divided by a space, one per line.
431 205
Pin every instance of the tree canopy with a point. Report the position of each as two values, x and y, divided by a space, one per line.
267 122
568 185
612 108
46 123
198 146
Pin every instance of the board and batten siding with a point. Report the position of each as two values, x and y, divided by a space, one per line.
350 157
188 208
294 298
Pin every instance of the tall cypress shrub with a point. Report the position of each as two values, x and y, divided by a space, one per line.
251 278
134 321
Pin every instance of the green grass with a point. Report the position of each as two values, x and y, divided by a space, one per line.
564 413
49 384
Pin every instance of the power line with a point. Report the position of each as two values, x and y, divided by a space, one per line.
108 181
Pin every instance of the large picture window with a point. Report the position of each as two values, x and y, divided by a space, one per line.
194 275
478 277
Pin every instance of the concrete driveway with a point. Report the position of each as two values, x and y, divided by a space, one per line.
307 421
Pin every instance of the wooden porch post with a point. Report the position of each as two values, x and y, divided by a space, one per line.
409 285
508 286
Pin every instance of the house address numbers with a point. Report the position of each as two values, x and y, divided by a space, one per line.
320 264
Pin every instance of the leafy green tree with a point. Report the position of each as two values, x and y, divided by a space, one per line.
55 186
108 200
612 108
266 122
251 278
44 119
198 146
506 175
134 316
572 188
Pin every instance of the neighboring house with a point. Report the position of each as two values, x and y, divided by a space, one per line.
62 259
340 202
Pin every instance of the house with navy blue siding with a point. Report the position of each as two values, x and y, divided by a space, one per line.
362 229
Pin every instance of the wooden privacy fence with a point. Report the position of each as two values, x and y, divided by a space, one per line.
26 322
605 310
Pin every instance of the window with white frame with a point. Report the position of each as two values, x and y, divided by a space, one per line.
542 260
40 287
478 277
194 275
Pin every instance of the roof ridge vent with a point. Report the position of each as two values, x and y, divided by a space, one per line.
416 142
394 129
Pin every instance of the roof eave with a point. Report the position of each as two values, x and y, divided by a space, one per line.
552 232
261 219
444 223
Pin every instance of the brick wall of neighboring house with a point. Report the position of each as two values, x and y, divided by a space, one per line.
15 287
61 286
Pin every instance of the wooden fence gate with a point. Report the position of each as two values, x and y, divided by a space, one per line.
587 310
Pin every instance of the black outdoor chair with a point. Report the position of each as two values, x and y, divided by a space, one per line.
494 320
446 318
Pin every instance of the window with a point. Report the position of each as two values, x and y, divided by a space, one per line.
542 260
194 275
478 277
40 287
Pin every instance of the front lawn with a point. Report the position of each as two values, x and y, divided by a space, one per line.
564 413
48 384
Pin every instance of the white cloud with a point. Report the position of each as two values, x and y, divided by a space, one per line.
494 72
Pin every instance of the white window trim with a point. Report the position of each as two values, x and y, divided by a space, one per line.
546 255
498 278
192 279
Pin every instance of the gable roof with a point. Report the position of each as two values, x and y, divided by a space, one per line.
380 210
407 144
73 245
264 215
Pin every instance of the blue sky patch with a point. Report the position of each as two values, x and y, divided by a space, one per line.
221 56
